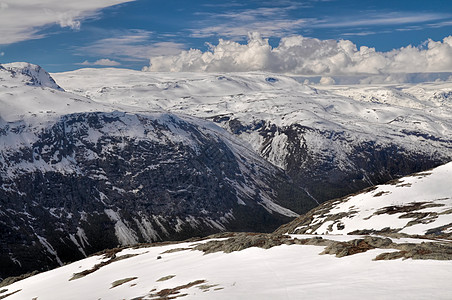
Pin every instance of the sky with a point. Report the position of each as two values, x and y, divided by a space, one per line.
285 36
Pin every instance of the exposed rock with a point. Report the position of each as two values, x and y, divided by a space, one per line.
121 281
98 266
424 250
173 293
341 249
241 241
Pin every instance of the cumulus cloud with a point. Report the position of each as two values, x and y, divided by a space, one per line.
308 56
23 19
101 62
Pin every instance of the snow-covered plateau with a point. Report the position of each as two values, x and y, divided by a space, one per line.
294 271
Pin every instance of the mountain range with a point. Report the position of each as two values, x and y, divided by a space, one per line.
331 140
98 158
79 176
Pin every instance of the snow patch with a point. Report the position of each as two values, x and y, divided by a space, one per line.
125 235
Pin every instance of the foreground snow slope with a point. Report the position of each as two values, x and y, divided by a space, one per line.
281 272
420 204
332 140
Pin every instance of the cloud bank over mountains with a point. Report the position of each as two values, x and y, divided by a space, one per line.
308 56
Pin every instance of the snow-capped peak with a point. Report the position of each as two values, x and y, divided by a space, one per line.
32 74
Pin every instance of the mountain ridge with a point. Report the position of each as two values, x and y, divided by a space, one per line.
418 204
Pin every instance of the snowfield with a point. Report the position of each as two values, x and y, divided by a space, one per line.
282 272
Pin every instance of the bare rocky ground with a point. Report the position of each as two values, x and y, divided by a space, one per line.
439 249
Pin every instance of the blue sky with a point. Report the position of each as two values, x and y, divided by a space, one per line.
64 36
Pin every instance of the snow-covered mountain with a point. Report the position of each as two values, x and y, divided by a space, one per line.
420 204
314 257
119 157
79 176
31 74
331 140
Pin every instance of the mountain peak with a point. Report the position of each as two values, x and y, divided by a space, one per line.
32 74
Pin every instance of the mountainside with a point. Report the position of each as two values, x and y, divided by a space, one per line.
331 140
411 259
420 204
79 176
111 160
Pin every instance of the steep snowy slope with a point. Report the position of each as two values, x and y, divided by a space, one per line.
420 204
332 141
78 177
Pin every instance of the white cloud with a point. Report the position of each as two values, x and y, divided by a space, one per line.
326 80
101 62
23 19
363 33
131 45
269 21
279 21
308 56
380 19
2 53
68 19
276 28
